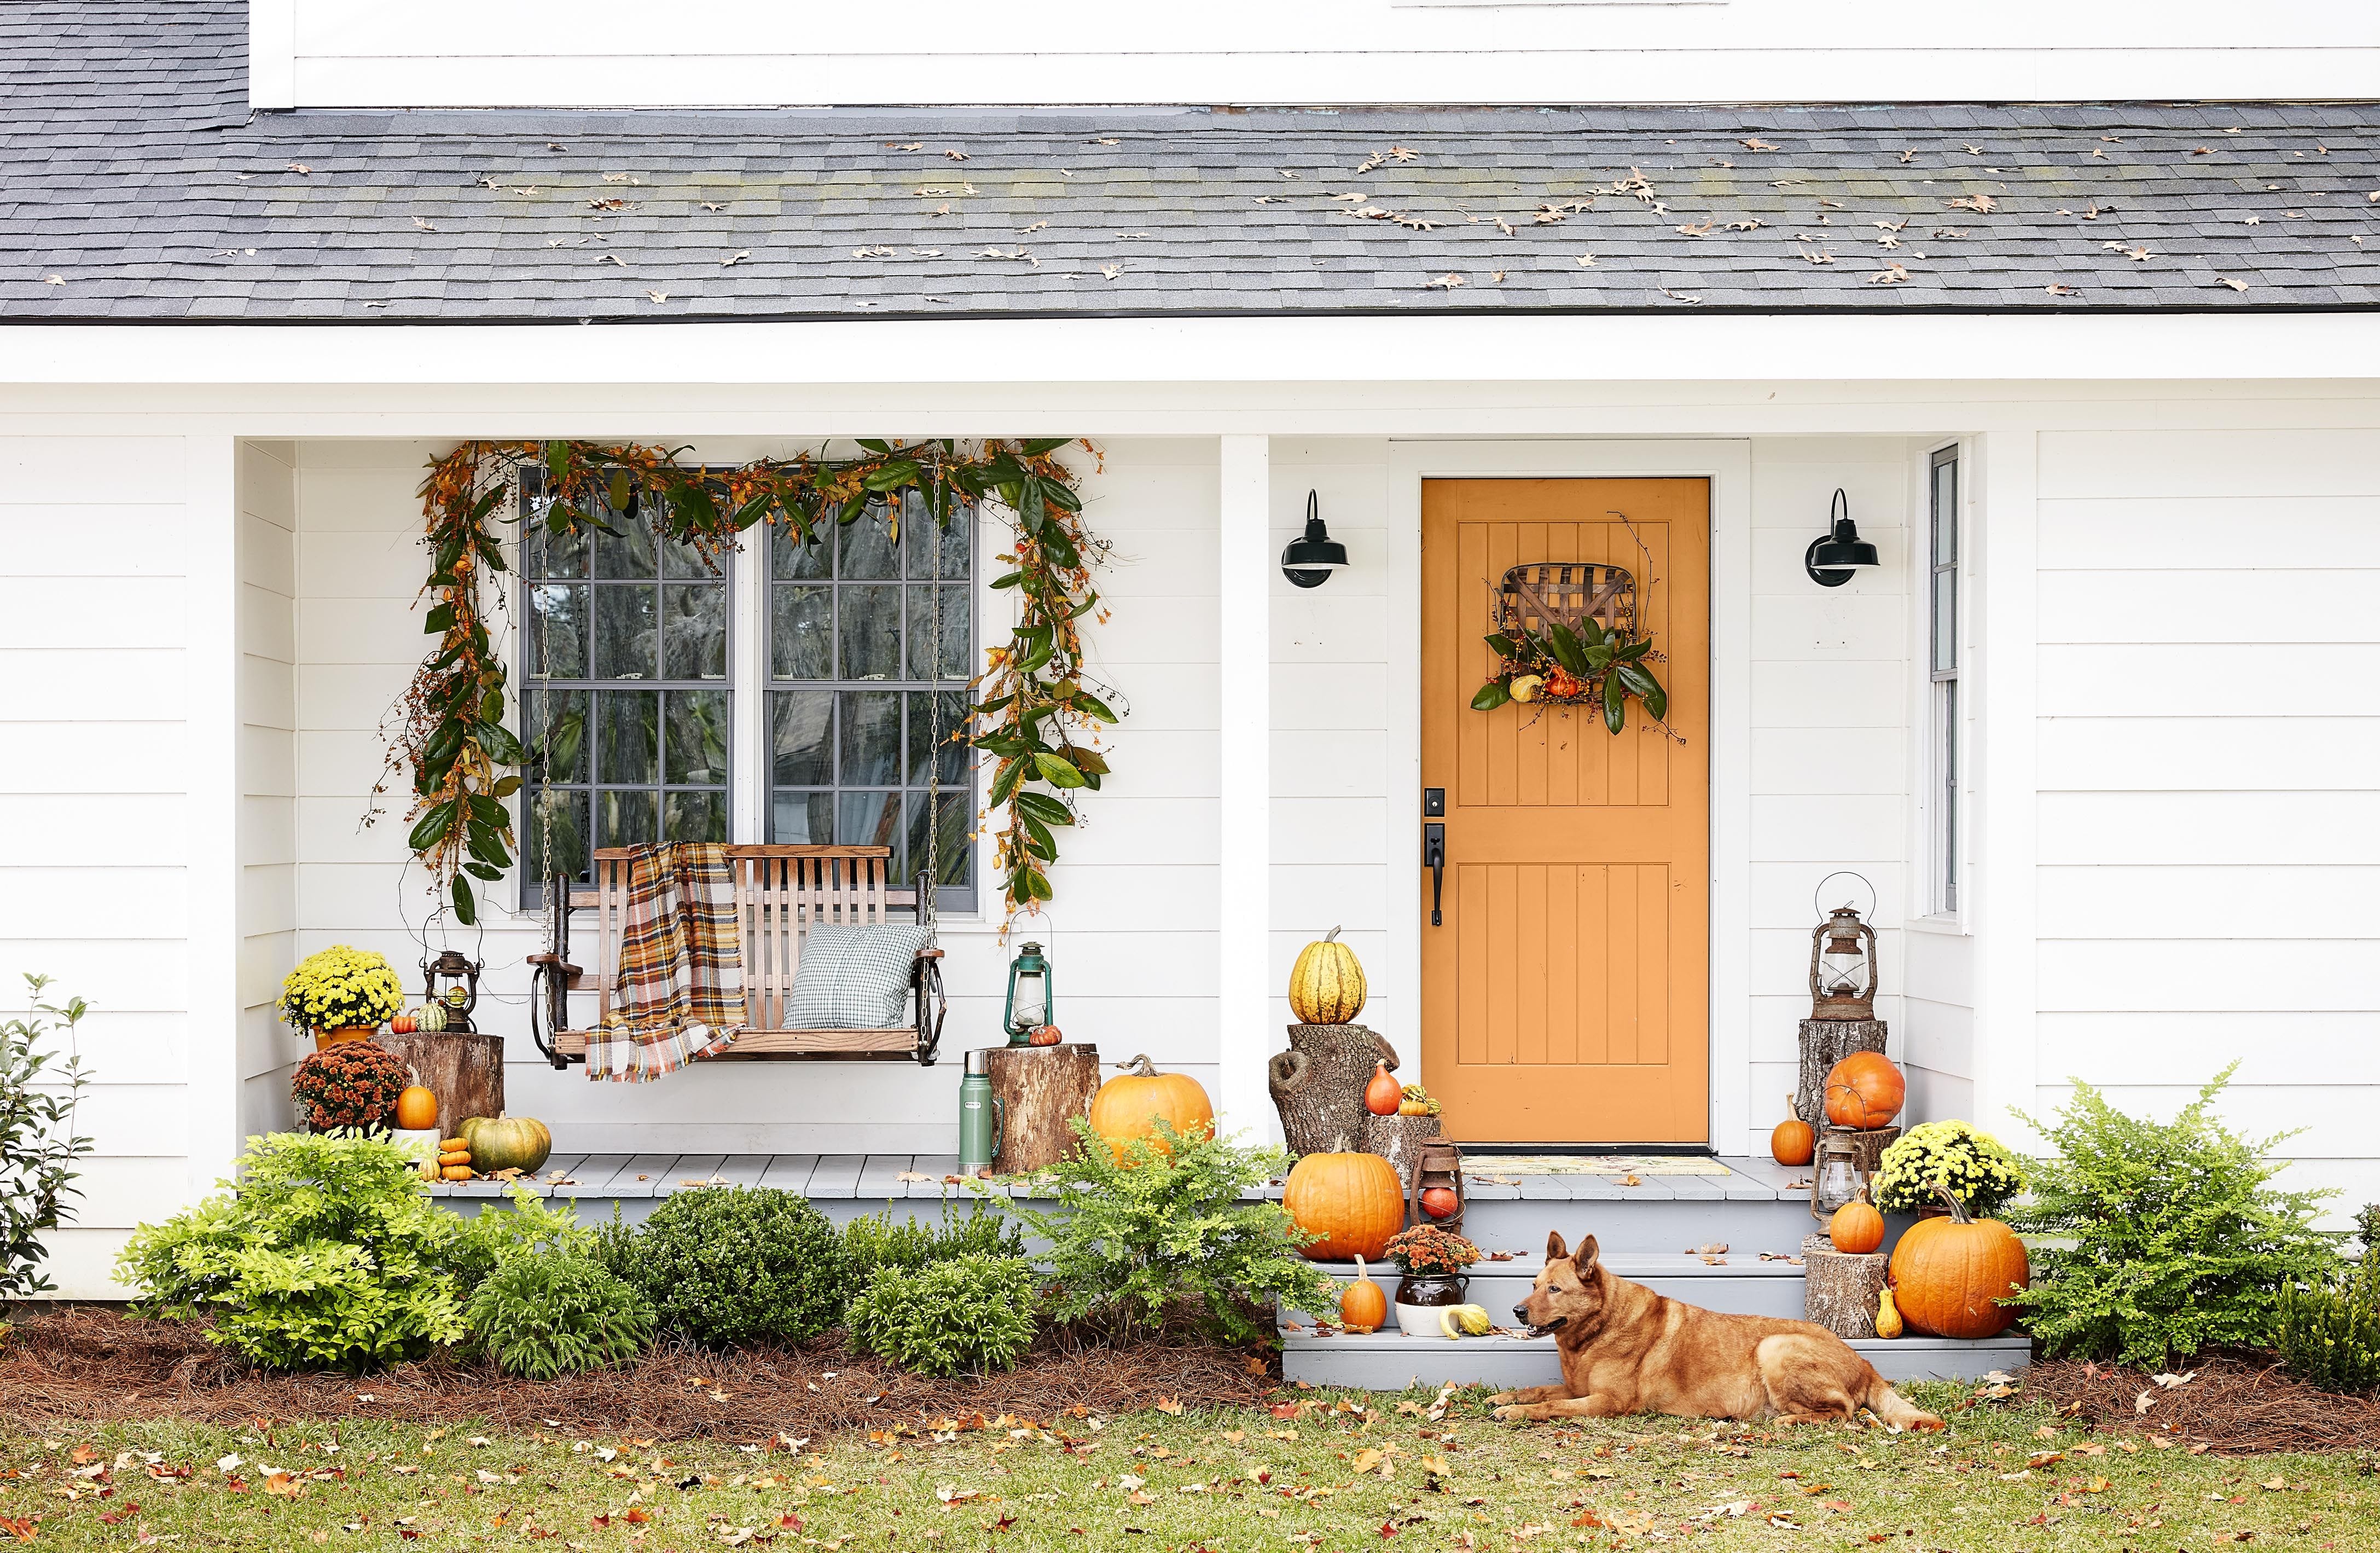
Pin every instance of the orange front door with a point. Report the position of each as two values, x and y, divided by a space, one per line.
1565 999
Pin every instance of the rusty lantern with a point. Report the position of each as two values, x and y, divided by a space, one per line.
1842 968
460 994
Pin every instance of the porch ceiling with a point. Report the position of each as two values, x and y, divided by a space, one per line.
140 188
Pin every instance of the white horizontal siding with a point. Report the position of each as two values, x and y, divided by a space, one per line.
2210 778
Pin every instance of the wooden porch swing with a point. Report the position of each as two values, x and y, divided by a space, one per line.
781 892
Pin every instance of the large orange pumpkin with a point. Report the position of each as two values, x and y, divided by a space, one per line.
1362 1305
1130 1105
1856 1229
1948 1274
417 1110
1865 1091
1354 1202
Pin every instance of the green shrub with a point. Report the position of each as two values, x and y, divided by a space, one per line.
613 1246
325 1253
528 1226
873 1241
962 1315
2328 1332
1137 1230
740 1264
39 1146
544 1313
2178 1242
1975 1167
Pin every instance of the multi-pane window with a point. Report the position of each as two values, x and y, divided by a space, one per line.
626 682
870 643
1943 665
629 678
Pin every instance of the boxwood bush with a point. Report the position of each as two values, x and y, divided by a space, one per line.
737 1265
964 1316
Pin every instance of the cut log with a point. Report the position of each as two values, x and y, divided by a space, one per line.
1317 1084
1041 1090
1838 1291
1825 1042
1868 1145
466 1071
1398 1139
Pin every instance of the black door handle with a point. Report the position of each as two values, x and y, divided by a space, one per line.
1433 857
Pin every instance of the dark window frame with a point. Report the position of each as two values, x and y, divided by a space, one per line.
1942 628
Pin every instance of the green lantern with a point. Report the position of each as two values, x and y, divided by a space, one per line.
1028 995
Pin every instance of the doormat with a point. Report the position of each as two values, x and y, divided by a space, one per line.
1593 1164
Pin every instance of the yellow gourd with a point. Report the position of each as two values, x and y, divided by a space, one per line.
1326 986
1887 1316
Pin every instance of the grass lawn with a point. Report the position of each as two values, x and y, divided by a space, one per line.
1339 1472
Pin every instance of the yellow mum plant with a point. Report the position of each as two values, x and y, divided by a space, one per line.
341 987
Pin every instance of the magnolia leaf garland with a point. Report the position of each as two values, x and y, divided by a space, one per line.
1038 719
1591 667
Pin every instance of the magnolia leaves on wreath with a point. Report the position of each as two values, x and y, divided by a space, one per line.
1589 666
1037 717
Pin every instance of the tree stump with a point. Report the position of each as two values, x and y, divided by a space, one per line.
1398 1139
465 1070
1041 1090
1867 1146
1825 1042
1317 1084
1838 1291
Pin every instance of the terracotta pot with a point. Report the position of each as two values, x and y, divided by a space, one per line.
325 1040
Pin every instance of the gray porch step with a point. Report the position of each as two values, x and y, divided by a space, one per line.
1389 1360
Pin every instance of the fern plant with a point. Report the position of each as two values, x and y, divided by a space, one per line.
2178 1240
542 1313
962 1315
1140 1228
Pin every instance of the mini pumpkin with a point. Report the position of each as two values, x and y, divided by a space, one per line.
1326 986
1352 1202
1130 1105
1362 1305
1793 1141
1949 1274
1384 1094
1865 1091
417 1109
1856 1229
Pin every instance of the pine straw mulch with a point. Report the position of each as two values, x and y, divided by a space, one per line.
93 1364
2234 1402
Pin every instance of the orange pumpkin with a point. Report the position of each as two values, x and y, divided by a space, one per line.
1856 1229
1948 1274
1352 1202
1130 1105
417 1110
1439 1202
1865 1091
1384 1094
1793 1141
1362 1305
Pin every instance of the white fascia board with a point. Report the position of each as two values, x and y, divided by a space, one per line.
1328 356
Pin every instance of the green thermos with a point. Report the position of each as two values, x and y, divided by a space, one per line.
981 1116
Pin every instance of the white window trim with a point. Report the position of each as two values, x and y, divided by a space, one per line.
1924 861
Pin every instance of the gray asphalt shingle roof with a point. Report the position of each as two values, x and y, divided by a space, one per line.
135 186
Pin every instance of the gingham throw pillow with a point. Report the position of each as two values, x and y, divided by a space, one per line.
853 976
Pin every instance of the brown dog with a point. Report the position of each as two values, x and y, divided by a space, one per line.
1625 1349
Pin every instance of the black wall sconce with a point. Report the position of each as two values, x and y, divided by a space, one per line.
1309 560
1834 556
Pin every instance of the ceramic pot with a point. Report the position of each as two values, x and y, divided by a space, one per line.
325 1040
1422 1295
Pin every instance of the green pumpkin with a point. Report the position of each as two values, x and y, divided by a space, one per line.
507 1143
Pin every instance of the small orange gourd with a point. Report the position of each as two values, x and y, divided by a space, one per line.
1384 1094
1865 1091
417 1110
1354 1202
1856 1229
1362 1305
1130 1105
1793 1141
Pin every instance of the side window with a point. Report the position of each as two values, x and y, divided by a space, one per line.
1942 652
624 679
872 640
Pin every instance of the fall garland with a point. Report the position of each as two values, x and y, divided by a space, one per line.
1037 719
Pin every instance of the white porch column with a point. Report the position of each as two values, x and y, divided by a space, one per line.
211 731
1244 669
2002 836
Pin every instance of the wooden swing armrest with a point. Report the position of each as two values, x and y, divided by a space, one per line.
929 954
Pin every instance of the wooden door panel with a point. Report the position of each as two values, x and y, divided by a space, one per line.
1566 999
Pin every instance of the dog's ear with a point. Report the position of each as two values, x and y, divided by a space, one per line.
1587 1253
1555 1249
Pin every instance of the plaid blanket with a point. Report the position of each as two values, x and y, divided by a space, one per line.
679 994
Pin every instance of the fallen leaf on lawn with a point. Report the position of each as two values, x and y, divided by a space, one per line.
1169 1405
283 1485
950 1493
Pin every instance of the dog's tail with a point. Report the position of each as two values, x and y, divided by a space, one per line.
1894 1409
